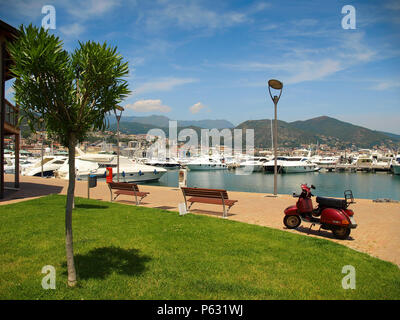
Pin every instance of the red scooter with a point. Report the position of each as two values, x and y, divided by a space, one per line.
331 214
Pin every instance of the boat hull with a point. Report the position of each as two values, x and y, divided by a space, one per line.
206 167
299 169
127 177
253 168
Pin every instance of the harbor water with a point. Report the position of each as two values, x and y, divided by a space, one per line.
328 184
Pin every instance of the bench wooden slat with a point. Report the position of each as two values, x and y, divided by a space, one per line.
212 201
206 193
126 189
123 186
210 196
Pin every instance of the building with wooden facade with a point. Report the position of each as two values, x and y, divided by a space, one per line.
9 112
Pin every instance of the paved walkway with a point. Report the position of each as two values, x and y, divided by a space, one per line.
378 231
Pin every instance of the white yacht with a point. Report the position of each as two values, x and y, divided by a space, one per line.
396 165
50 164
363 160
167 163
318 160
96 164
24 162
206 163
255 164
8 165
291 165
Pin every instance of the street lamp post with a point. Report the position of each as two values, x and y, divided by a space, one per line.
41 149
277 85
118 116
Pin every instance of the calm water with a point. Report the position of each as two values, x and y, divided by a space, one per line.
329 184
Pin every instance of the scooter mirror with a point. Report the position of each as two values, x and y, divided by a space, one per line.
312 186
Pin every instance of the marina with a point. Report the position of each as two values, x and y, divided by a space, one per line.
329 184
368 174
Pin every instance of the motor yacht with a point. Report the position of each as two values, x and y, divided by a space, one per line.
291 165
167 163
254 164
324 161
49 164
396 165
96 164
206 163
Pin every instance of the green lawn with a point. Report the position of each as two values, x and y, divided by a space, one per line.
128 252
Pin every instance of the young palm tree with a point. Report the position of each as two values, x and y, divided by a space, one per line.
70 93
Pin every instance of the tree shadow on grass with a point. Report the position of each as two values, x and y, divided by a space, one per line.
99 263
90 206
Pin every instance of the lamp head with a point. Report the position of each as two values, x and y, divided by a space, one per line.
275 84
120 109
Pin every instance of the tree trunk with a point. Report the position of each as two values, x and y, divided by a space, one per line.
68 214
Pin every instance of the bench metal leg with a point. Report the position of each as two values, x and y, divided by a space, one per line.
224 215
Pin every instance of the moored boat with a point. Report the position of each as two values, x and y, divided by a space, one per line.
129 171
206 163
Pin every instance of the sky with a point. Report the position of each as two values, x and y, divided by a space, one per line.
192 60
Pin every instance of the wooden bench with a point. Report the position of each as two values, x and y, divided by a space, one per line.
210 196
130 189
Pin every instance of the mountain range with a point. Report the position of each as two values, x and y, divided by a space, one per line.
163 122
322 130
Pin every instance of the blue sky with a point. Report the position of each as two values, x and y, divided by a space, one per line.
212 59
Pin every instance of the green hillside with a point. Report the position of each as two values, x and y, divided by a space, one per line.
344 132
324 130
287 135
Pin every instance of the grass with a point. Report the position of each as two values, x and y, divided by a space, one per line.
128 252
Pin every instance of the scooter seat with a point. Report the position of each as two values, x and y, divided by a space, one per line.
332 202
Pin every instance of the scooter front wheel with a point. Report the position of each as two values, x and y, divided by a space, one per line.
291 221
341 233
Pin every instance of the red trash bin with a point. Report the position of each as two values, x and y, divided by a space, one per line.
109 175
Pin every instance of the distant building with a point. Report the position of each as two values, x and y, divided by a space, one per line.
8 112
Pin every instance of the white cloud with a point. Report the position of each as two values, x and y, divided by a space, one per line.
197 107
191 15
354 49
163 84
386 85
393 5
300 64
28 8
79 9
72 30
314 70
90 8
294 71
148 106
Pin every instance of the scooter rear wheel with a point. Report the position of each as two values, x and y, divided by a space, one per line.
291 221
341 233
